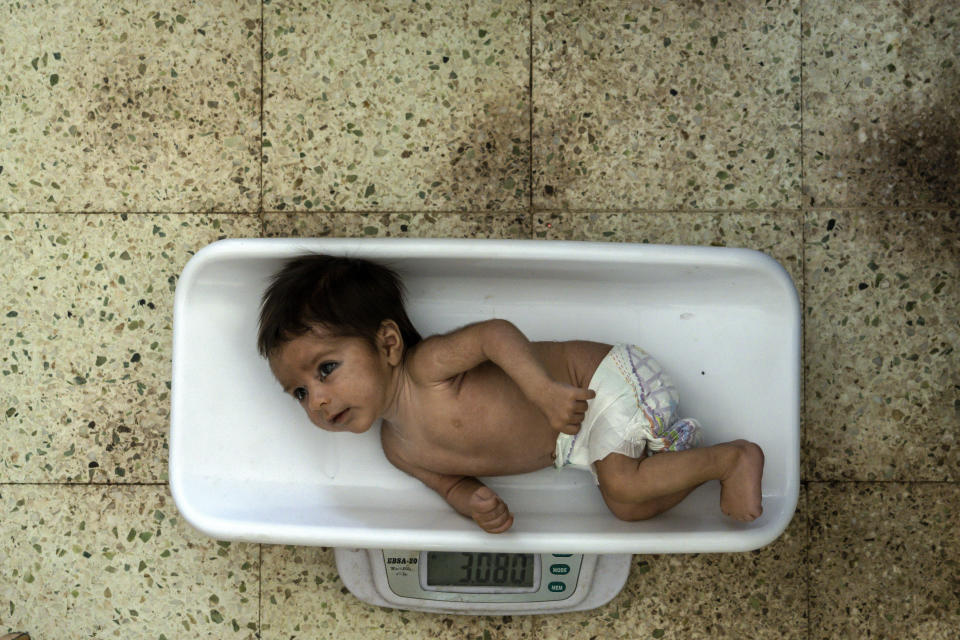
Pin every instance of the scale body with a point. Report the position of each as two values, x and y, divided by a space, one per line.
473 583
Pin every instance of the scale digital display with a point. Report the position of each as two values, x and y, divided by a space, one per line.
480 572
477 582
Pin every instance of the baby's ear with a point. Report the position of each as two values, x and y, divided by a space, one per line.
390 341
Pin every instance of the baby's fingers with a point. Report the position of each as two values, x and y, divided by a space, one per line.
578 404
585 394
569 428
489 511
498 525
496 512
577 411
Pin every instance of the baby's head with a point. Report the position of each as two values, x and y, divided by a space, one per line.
335 332
348 297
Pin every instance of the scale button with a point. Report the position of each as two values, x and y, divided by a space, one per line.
557 587
560 569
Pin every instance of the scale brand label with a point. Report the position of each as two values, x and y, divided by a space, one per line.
401 566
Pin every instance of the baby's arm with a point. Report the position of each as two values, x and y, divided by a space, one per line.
467 495
440 358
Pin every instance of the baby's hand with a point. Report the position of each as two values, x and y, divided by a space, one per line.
489 511
565 406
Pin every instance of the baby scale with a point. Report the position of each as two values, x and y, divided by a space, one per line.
246 465
482 583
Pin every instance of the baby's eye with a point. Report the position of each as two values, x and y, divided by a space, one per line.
327 368
299 394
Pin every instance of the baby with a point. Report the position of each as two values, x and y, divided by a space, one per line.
485 401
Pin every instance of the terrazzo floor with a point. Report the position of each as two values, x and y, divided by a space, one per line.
133 133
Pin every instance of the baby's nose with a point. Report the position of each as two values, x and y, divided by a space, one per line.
318 400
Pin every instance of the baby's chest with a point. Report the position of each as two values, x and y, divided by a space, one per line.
470 420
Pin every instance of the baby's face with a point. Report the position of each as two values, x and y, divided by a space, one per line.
343 383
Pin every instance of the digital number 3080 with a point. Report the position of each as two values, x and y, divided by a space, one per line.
493 568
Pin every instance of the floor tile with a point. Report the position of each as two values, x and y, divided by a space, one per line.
882 391
619 121
87 336
304 597
396 105
98 562
761 594
688 228
130 106
658 106
427 225
399 225
299 224
881 84
884 560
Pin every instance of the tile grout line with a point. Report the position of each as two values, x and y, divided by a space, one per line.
260 141
54 483
941 207
530 213
803 175
653 211
263 87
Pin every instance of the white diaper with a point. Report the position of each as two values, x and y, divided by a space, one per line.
635 410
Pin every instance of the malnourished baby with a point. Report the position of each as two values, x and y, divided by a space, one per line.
485 401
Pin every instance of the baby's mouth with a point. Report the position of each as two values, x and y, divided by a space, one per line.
337 419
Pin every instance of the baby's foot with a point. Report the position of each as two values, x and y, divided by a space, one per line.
740 495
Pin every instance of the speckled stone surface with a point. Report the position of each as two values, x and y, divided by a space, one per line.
87 332
884 560
398 225
664 106
130 106
303 597
118 562
881 88
882 332
821 133
396 105
761 594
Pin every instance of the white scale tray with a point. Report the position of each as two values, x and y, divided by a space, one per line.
247 465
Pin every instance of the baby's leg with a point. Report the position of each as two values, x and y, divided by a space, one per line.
640 489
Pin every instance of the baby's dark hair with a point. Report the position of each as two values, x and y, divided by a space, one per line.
347 296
